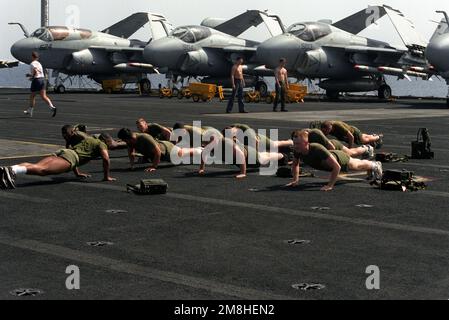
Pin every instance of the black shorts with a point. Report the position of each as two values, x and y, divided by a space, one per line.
37 85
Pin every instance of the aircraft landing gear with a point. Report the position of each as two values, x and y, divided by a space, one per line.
262 87
332 95
385 92
145 86
60 89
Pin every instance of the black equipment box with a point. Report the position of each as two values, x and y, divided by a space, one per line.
400 180
421 148
397 175
149 187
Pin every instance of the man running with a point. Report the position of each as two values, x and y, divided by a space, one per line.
318 157
61 162
350 134
153 149
281 78
37 78
155 130
238 83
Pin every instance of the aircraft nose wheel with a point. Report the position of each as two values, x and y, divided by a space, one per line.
385 92
60 89
262 88
145 86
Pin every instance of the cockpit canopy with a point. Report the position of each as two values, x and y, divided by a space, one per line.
191 34
61 33
310 31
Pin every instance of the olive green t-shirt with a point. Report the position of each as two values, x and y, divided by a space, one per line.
89 149
340 130
250 133
76 138
156 131
146 145
318 155
317 136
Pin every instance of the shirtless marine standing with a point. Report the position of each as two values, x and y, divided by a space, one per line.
238 83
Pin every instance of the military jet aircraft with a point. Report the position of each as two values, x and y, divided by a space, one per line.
437 51
100 55
208 50
344 61
8 64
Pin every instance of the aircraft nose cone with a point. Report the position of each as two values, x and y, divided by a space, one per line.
284 46
437 52
165 52
22 49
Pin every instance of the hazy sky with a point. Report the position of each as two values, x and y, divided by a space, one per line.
100 14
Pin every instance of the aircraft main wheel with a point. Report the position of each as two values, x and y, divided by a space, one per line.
60 89
269 100
262 87
333 95
180 95
196 98
385 92
145 86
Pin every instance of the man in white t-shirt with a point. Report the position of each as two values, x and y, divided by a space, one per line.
37 78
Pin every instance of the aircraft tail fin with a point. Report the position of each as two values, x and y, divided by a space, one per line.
361 20
241 23
443 26
160 27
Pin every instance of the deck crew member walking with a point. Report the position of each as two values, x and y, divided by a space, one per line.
238 83
281 77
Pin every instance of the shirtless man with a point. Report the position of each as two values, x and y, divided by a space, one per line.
281 77
238 83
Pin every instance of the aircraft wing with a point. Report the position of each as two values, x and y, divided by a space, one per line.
405 28
160 27
117 49
128 26
367 50
251 18
361 20
8 64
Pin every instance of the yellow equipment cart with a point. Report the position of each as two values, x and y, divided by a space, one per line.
252 96
112 86
204 91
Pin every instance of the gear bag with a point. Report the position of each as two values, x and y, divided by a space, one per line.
149 187
421 148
